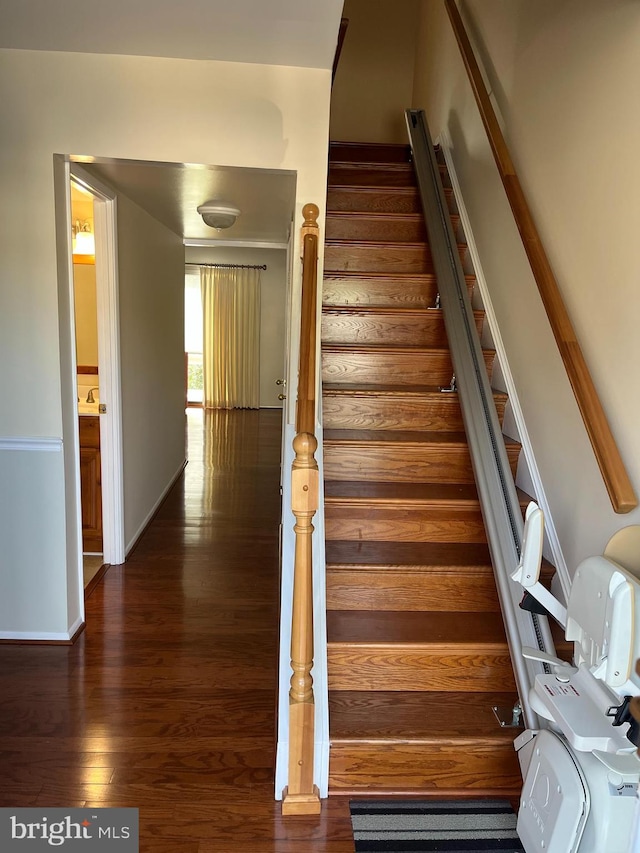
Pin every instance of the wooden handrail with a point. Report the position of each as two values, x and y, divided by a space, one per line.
301 796
342 32
614 474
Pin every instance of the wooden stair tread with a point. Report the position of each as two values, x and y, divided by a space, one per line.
386 311
415 556
376 152
395 629
369 716
382 436
377 216
356 275
407 556
400 364
369 490
376 189
392 226
380 492
389 245
335 389
364 165
371 170
332 388
394 349
356 288
383 216
365 189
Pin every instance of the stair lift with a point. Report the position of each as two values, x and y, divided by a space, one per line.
581 772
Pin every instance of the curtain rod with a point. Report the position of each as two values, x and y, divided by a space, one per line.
231 266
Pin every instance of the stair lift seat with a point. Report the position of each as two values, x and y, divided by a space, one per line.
581 774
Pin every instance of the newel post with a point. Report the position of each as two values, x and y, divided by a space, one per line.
301 796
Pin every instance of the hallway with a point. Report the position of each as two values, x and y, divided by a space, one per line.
167 700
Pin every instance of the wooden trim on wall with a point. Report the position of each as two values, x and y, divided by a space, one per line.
344 23
89 369
608 457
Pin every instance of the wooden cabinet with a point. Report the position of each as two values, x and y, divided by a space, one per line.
90 483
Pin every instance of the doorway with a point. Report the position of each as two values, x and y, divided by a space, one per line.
96 372
156 210
87 377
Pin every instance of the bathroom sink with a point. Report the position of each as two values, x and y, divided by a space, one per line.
88 408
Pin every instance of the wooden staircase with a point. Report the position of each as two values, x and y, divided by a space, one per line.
417 650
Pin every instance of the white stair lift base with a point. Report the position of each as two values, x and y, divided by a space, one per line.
581 774
573 802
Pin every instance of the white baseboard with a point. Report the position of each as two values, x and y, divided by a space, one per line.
154 509
527 448
43 636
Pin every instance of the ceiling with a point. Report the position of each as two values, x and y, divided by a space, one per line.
278 32
171 192
274 32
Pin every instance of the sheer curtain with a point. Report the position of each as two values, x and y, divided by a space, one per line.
231 340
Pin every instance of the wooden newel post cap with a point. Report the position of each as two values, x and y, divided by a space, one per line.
310 212
305 445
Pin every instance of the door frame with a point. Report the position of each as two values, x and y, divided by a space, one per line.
111 453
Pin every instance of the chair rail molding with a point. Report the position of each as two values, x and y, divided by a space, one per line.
43 444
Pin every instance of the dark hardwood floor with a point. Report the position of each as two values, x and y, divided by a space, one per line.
167 700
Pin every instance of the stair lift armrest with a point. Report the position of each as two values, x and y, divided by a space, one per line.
544 657
527 574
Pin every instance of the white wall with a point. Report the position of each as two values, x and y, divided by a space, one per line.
132 107
151 287
563 74
31 495
273 283
374 79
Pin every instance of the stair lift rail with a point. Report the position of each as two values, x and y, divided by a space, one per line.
496 489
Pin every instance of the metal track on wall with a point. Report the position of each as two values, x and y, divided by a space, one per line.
496 488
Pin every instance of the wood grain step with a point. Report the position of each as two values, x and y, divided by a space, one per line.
410 651
402 512
427 743
402 289
402 456
369 575
352 174
410 576
374 325
376 716
380 365
394 407
380 257
370 152
379 199
382 227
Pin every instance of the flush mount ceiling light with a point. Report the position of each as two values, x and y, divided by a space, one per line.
218 214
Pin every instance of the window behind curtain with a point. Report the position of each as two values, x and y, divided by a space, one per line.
193 335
